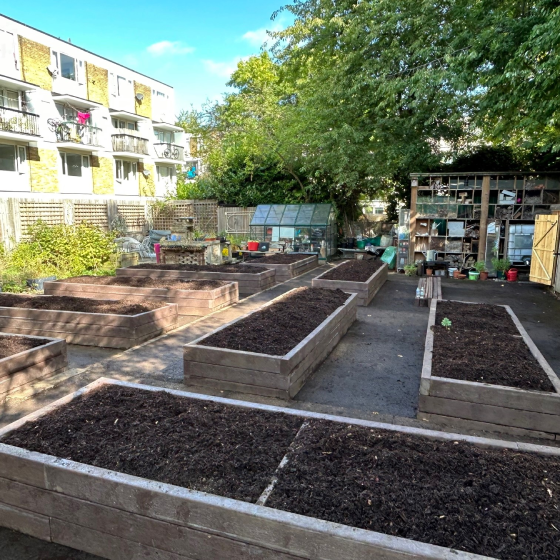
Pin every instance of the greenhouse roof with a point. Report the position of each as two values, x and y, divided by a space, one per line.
292 215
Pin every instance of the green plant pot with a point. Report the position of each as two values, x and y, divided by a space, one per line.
500 275
473 275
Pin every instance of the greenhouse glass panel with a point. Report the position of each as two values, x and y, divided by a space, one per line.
321 215
305 214
290 215
260 215
275 215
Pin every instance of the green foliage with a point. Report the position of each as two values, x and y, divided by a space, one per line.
410 269
446 323
501 265
480 266
59 251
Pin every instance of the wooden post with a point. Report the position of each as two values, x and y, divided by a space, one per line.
484 218
412 238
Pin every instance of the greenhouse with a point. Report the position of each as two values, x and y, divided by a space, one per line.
302 227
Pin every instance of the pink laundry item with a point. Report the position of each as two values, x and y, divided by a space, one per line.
83 117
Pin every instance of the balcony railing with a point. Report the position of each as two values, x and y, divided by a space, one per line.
67 131
129 143
170 151
12 120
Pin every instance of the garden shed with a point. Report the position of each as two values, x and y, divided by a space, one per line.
302 227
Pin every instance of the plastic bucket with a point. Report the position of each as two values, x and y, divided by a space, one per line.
451 271
473 275
157 250
253 245
361 244
511 275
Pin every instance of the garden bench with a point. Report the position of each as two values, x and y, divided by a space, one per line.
432 290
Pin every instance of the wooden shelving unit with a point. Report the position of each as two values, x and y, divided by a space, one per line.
450 213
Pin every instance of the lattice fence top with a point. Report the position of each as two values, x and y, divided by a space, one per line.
30 211
134 215
95 214
165 218
206 216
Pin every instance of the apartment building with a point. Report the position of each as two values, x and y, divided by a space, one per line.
75 123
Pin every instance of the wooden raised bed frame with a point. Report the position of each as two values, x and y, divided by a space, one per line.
33 364
189 302
107 330
248 283
264 374
287 271
366 290
482 406
120 517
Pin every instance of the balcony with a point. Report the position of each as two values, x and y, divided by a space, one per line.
169 152
18 122
127 143
75 135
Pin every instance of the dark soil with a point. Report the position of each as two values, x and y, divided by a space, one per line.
483 345
278 259
10 345
229 268
228 451
70 303
146 282
476 317
490 502
281 326
354 270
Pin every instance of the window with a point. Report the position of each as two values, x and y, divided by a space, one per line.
125 170
7 158
164 172
74 164
67 66
165 136
13 158
66 113
124 124
9 99
379 210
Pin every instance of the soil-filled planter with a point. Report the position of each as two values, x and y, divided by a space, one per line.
104 329
366 290
190 301
248 283
528 405
300 264
280 376
344 488
34 358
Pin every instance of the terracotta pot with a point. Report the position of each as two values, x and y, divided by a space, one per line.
484 275
456 273
429 272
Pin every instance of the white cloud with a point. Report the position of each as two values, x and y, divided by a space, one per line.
223 69
169 47
257 37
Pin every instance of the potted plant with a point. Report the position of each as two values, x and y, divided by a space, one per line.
480 267
252 245
501 266
429 272
410 269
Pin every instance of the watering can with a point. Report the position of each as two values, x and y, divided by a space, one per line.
431 255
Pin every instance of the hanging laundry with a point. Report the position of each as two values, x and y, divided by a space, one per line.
83 117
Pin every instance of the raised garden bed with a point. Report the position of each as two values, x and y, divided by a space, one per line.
129 471
105 323
287 266
486 373
272 351
250 280
364 278
193 297
24 359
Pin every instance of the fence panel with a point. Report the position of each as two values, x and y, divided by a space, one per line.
235 219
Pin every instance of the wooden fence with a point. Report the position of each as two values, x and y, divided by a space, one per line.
235 220
18 213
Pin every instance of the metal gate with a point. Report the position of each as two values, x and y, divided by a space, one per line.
545 243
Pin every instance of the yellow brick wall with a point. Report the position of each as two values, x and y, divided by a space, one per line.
43 169
147 184
97 84
103 175
34 61
144 107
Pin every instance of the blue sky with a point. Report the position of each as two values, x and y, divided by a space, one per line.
192 46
